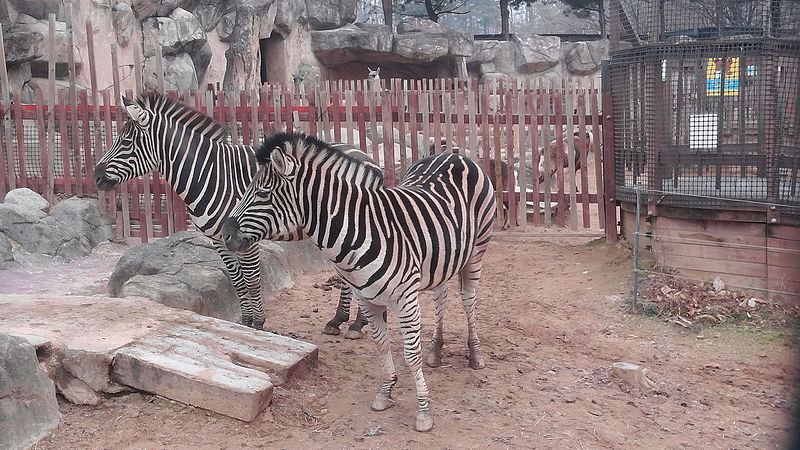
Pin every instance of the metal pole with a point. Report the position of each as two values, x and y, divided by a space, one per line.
638 190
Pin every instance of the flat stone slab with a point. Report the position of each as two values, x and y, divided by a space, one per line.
206 362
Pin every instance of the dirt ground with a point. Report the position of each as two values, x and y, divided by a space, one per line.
552 322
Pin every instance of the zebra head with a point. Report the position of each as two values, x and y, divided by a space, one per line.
268 208
133 153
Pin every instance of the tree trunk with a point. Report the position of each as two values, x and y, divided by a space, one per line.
431 12
504 28
387 13
602 13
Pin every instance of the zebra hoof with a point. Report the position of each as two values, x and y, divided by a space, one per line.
424 423
382 403
331 330
433 360
353 334
476 361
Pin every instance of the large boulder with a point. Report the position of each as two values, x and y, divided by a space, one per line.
28 406
23 45
584 58
179 73
184 271
18 75
27 199
82 216
423 47
38 9
148 8
190 32
330 14
6 253
536 53
289 14
351 43
417 24
201 58
123 19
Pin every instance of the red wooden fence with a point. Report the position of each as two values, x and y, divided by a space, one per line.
536 127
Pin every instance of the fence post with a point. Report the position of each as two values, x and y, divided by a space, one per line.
635 294
609 174
6 165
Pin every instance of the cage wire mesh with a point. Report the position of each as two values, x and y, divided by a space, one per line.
706 101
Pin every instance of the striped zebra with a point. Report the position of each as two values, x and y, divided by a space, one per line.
190 150
387 243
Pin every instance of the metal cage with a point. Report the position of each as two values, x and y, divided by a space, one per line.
706 102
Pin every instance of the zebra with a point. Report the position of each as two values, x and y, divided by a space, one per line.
191 152
387 243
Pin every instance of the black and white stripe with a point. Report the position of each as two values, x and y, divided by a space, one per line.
191 152
387 243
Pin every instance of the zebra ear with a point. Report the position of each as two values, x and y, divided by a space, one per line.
136 113
281 162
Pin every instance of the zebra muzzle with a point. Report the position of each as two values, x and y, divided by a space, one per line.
233 237
101 179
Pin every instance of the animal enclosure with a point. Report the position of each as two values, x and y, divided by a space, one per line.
548 132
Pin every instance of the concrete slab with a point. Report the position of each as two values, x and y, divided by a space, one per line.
206 362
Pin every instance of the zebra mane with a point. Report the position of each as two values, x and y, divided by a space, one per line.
183 114
303 144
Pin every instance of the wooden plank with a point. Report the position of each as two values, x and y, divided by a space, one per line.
786 244
86 162
583 152
524 147
123 220
510 107
609 177
312 114
388 138
783 232
756 270
244 113
288 112
402 106
360 122
711 252
20 141
545 93
716 228
448 122
533 133
501 183
598 161
349 103
65 147
234 123
784 259
96 120
336 118
255 132
413 109
425 109
755 283
472 111
372 100
277 124
784 273
107 102
712 237
41 180
783 290
483 99
8 177
323 103
569 96
49 192
558 110
437 124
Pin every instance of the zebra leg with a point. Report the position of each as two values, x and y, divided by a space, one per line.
408 317
469 277
250 261
437 341
376 315
354 331
236 275
342 311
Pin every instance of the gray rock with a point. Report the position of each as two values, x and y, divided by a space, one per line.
225 26
160 33
536 53
26 198
417 24
23 45
75 390
27 95
182 271
38 9
584 58
61 40
91 368
190 32
421 47
201 59
351 43
123 20
6 253
208 12
486 68
18 75
149 8
484 51
179 74
460 44
38 233
82 215
28 405
330 14
289 14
